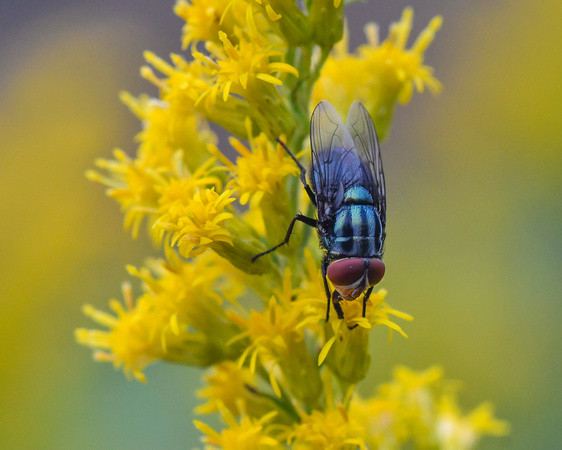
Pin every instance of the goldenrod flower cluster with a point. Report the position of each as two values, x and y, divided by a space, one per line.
278 375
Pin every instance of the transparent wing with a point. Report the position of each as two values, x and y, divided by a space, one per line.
362 131
327 130
334 160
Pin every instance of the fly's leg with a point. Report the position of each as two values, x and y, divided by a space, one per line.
334 297
307 187
306 220
336 302
366 299
326 287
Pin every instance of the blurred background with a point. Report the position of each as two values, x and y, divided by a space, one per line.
474 220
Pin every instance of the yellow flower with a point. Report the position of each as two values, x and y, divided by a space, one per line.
420 408
247 68
260 322
277 342
167 195
227 386
195 223
127 339
132 185
259 171
186 83
346 350
456 431
259 178
239 391
177 318
407 380
249 433
379 74
331 429
381 420
166 130
416 393
402 69
204 19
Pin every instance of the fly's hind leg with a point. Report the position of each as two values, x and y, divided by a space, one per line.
306 220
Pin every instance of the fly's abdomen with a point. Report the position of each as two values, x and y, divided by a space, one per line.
357 228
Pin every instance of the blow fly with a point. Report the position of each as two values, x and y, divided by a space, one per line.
347 187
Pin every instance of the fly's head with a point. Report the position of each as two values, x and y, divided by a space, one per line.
352 276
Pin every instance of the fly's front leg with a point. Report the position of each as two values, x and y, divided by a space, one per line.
366 299
326 287
306 220
307 187
336 297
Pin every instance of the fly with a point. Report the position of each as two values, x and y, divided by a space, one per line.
347 187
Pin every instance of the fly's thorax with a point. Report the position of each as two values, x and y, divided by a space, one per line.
358 195
352 276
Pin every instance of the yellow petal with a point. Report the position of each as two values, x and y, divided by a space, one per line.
269 79
326 349
283 67
274 384
204 428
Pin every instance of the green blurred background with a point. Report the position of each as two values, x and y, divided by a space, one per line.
474 235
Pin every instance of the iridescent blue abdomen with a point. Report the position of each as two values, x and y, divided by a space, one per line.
357 230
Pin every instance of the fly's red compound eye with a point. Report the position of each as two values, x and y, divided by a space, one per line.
376 271
345 272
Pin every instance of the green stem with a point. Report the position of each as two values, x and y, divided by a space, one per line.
302 91
300 96
284 403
